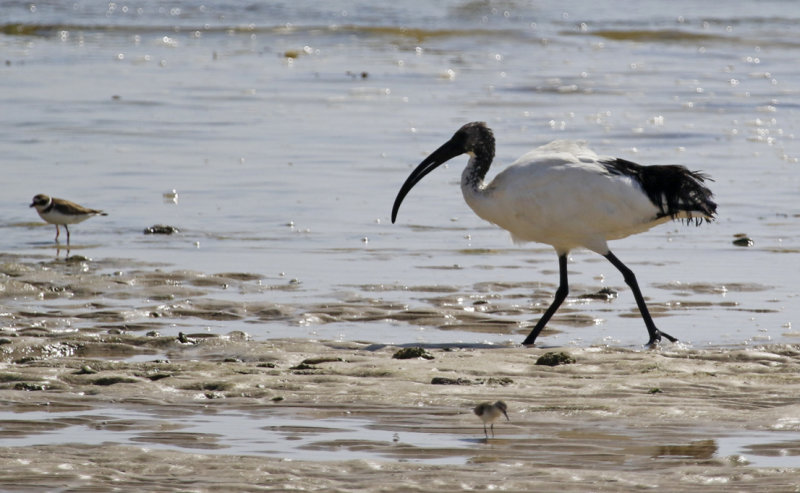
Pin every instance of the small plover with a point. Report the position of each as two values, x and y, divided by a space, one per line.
62 212
489 413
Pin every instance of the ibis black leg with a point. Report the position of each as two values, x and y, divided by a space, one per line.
561 294
630 280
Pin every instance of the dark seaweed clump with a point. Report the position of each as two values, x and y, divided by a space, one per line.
411 353
555 359
161 229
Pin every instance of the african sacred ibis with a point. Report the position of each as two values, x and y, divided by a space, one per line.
564 195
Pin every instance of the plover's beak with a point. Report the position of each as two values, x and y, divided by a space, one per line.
32 204
446 152
505 414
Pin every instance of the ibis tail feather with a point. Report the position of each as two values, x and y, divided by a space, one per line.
677 191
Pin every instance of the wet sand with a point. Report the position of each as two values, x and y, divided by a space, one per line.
324 415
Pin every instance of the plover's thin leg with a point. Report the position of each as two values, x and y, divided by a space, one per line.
67 228
58 231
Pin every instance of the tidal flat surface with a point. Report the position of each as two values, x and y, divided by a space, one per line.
274 137
226 412
130 393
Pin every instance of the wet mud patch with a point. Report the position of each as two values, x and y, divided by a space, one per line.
121 296
786 449
195 441
361 412
720 288
116 295
148 367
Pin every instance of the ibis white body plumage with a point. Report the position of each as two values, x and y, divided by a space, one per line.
564 195
560 195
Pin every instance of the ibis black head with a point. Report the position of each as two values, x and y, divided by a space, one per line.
473 138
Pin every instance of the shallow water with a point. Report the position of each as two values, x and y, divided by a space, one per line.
287 129
285 159
302 435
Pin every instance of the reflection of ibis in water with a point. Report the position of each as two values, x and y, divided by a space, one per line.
489 413
564 195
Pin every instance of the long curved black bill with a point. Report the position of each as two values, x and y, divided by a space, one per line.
446 152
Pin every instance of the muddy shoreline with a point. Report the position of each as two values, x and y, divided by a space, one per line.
626 419
94 398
